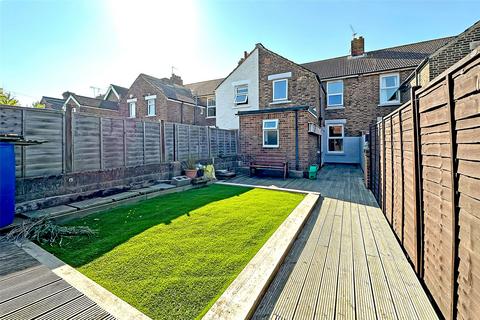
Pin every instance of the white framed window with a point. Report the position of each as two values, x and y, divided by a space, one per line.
335 93
270 133
280 90
132 109
211 108
241 94
150 107
335 135
389 84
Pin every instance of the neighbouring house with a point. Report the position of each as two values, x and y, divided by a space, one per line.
443 58
359 88
52 103
115 93
162 99
82 104
274 103
204 94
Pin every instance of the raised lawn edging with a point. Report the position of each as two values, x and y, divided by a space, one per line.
241 298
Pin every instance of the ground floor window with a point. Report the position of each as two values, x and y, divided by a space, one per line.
132 110
270 133
335 138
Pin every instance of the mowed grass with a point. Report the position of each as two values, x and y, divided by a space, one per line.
171 257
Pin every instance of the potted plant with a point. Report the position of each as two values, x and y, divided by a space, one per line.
190 168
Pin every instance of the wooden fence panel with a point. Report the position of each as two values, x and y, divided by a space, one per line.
182 141
86 143
135 143
437 201
397 153
389 175
204 143
11 122
409 187
194 142
169 141
466 92
152 143
113 143
214 142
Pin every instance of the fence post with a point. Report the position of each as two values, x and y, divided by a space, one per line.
454 195
24 153
418 180
144 146
209 146
72 150
402 206
384 162
64 165
160 142
125 142
392 173
102 164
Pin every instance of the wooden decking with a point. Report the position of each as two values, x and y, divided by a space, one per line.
346 263
29 290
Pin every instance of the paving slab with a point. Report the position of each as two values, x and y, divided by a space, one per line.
52 211
123 195
154 188
90 203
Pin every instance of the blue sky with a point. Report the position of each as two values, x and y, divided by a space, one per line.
50 46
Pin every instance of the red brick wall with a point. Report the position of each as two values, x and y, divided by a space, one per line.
93 110
251 137
167 110
303 87
361 100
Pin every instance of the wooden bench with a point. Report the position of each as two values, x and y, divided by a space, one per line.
269 163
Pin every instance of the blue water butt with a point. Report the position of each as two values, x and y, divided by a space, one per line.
7 183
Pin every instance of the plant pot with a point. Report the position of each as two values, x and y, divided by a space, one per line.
191 173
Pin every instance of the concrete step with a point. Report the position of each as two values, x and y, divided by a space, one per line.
52 211
155 188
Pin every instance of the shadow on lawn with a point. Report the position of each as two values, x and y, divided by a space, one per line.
118 225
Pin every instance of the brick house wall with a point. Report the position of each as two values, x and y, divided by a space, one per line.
251 137
454 51
202 100
167 110
303 86
92 110
361 99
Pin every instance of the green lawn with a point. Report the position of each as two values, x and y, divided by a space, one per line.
172 256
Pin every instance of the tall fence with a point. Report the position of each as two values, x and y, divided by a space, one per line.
425 175
90 143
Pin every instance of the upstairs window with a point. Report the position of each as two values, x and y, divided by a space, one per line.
270 133
280 90
241 94
335 138
150 107
389 84
211 108
132 112
335 93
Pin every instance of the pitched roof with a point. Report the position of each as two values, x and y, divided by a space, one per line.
204 88
122 91
405 56
171 91
96 103
53 103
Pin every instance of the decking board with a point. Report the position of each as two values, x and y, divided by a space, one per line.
355 268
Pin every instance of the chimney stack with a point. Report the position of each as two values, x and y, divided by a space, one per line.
357 46
176 79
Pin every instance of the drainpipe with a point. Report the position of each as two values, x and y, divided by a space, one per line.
297 164
181 112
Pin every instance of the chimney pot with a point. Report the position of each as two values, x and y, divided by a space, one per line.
357 46
176 79
245 54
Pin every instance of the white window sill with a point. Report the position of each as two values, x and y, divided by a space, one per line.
151 115
393 104
280 102
335 107
338 153
239 106
271 147
130 117
210 117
